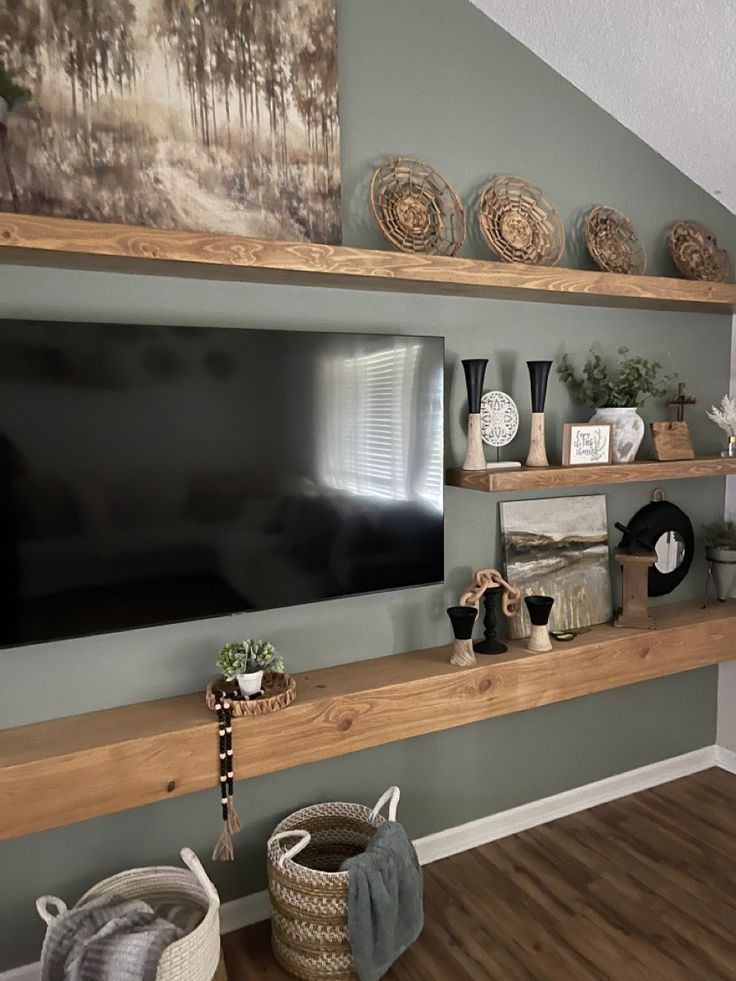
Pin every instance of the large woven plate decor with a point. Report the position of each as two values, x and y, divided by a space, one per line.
697 254
613 243
415 208
519 224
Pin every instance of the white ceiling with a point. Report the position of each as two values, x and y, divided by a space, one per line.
666 69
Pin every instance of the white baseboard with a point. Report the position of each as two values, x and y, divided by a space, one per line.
252 909
726 759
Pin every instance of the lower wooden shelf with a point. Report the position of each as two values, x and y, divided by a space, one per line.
535 478
58 772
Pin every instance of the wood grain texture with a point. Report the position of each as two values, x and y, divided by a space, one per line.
102 762
303 263
535 478
671 440
641 888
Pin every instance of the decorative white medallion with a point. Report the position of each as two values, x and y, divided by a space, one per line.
499 419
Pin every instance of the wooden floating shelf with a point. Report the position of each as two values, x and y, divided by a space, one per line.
55 773
303 263
536 478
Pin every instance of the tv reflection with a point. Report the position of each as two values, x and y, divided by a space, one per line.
311 469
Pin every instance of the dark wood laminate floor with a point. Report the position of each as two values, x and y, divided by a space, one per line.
644 887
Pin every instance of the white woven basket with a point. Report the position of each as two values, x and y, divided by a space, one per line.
309 897
193 958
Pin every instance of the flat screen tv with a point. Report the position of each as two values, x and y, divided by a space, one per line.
156 474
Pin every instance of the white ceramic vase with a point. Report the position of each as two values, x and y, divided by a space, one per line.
627 432
251 683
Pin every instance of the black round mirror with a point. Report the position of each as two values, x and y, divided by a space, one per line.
666 529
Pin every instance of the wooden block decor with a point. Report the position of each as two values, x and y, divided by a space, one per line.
635 564
671 441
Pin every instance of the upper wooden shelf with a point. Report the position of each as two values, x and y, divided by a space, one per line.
301 263
55 773
535 478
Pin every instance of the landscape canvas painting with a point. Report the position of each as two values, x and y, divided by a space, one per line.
206 115
559 547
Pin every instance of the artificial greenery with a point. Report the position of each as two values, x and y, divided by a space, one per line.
720 534
638 379
247 656
11 92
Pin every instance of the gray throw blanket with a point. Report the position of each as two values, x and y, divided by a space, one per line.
107 939
385 905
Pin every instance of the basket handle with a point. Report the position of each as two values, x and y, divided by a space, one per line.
304 839
393 793
43 903
195 866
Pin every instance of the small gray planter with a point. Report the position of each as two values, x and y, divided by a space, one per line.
723 570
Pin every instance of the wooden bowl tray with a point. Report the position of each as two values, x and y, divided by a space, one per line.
279 691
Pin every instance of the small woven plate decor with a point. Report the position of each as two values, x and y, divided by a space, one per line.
519 224
279 691
613 243
697 254
415 208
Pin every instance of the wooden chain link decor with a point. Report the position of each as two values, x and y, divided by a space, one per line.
613 242
519 224
484 579
697 254
415 208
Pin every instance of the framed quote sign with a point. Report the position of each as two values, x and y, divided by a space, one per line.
586 443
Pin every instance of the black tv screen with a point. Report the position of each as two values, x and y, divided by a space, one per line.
156 474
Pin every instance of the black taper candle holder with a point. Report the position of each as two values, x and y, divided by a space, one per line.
489 644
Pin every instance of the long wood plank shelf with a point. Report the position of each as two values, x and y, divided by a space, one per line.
536 478
58 772
302 263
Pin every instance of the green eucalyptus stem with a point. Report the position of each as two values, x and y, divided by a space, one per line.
637 380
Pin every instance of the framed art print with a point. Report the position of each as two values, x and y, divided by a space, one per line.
586 443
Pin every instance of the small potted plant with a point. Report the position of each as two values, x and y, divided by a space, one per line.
724 416
245 661
616 397
719 538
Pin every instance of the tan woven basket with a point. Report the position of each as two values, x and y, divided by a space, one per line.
193 958
309 896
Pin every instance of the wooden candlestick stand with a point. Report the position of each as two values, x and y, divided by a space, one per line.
634 612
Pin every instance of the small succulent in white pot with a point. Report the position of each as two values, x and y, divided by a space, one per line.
245 661
719 539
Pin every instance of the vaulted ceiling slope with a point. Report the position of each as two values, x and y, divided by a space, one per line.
665 69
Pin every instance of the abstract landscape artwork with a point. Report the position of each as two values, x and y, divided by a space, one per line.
559 547
205 115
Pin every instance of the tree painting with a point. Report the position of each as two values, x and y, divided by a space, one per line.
213 115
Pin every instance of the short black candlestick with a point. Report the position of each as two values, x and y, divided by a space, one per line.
489 644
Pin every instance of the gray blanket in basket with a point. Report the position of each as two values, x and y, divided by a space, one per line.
385 904
107 939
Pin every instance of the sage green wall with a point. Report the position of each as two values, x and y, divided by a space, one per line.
433 78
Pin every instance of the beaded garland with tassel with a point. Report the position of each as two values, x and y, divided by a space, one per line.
224 851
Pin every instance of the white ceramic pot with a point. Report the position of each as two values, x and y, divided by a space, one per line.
723 570
251 683
627 433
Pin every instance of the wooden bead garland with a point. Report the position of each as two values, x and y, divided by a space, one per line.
224 850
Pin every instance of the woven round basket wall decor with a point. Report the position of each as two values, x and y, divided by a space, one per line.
697 254
415 208
519 224
613 242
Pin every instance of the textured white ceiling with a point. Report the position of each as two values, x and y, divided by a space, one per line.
666 69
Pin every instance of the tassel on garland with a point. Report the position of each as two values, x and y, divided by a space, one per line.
224 850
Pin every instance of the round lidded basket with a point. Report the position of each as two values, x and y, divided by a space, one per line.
697 254
613 242
309 895
519 224
189 891
415 208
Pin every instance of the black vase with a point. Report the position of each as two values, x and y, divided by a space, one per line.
462 619
489 644
539 608
475 370
538 376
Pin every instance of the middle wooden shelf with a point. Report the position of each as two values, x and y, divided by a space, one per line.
537 478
